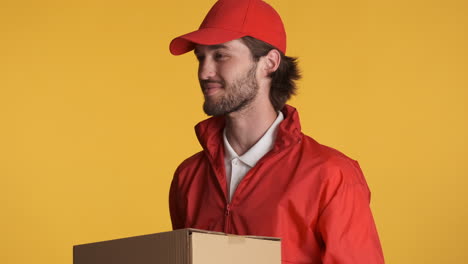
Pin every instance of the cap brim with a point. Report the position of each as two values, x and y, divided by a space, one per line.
204 36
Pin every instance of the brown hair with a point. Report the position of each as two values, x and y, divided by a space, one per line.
283 84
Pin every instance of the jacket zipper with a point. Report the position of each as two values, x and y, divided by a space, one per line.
227 214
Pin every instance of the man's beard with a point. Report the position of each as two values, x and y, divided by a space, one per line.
238 95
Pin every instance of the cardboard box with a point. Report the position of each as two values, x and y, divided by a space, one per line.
183 246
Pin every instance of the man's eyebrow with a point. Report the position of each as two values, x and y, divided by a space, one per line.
214 47
218 46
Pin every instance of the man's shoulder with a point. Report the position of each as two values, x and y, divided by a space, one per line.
191 162
333 162
324 152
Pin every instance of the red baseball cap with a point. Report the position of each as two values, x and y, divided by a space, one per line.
232 19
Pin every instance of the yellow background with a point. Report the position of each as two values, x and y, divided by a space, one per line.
95 115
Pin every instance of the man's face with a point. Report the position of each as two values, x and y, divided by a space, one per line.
227 75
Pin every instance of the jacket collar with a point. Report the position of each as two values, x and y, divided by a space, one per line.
210 133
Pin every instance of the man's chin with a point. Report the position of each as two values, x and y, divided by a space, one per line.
213 110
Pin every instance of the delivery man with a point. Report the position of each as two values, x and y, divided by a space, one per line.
258 174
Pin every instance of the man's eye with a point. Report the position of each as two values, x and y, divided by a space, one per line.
219 56
200 57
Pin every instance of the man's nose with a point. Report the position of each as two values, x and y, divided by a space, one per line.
206 70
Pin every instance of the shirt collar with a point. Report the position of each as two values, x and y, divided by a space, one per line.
257 151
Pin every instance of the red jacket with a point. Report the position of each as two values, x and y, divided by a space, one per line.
312 196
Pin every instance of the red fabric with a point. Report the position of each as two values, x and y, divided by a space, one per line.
232 19
312 196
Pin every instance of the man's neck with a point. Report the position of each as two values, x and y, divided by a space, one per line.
244 128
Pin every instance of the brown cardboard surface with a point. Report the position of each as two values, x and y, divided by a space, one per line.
168 247
183 246
226 249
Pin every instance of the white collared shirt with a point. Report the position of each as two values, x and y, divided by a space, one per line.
237 166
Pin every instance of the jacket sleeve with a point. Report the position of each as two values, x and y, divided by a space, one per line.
346 224
175 206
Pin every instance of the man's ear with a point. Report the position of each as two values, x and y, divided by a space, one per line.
272 61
